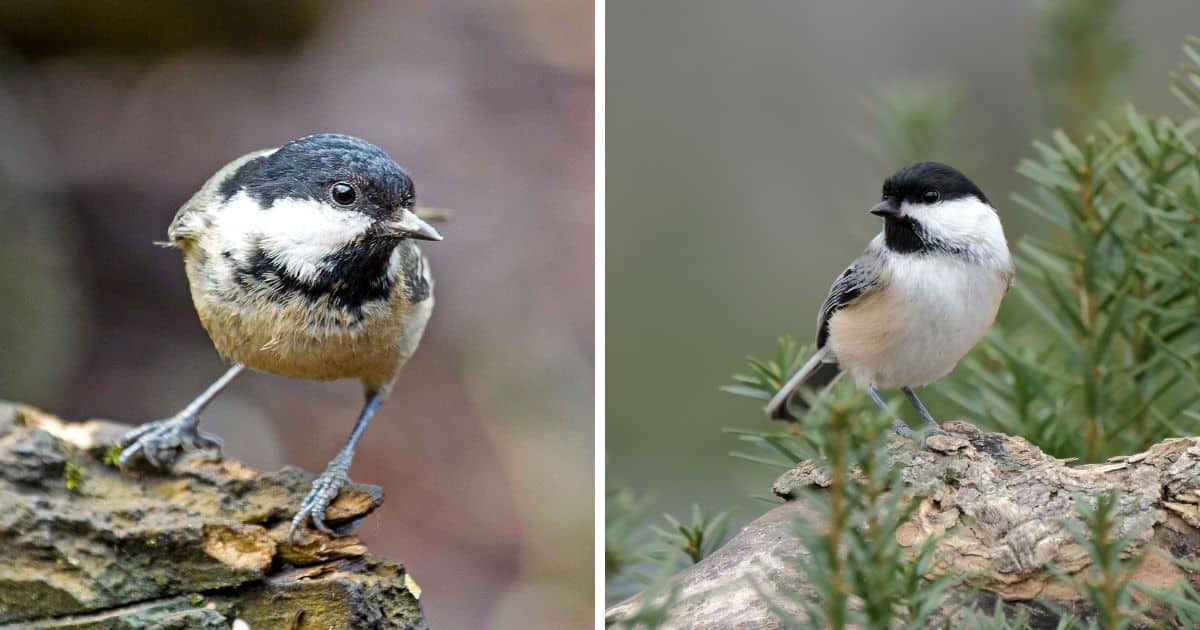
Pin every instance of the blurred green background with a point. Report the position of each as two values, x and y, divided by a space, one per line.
743 150
113 112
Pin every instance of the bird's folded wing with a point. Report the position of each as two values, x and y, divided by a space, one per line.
859 279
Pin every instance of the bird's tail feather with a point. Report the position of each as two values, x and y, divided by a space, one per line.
819 373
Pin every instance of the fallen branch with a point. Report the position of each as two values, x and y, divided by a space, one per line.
995 506
87 545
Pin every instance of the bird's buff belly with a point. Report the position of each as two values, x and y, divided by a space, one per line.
296 340
886 343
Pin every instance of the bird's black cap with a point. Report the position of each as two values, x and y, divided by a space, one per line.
912 181
306 168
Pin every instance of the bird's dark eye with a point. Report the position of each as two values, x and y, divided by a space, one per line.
343 194
931 196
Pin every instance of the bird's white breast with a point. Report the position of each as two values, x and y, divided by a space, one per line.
928 311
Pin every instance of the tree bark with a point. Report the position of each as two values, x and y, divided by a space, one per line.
85 545
995 505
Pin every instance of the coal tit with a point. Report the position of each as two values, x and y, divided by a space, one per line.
302 262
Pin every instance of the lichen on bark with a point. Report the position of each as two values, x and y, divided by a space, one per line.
89 546
997 509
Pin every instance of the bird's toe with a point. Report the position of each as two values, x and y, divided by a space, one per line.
324 490
160 443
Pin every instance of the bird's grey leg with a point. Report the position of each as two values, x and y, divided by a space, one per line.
337 474
159 442
898 425
921 410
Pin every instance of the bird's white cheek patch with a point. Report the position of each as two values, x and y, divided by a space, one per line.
296 233
959 220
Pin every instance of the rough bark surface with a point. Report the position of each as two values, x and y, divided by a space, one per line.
996 505
85 545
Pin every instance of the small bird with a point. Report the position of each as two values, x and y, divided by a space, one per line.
922 294
302 263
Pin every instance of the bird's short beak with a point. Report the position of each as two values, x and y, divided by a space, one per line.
886 208
409 225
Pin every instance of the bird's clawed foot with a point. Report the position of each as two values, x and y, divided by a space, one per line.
931 425
324 490
906 432
161 442
929 432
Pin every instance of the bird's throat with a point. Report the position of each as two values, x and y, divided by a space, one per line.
903 235
349 278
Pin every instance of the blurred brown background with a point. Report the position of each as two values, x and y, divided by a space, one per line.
114 112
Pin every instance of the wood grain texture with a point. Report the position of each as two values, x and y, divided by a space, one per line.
995 505
200 546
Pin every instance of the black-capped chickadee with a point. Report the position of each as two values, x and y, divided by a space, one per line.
302 263
922 294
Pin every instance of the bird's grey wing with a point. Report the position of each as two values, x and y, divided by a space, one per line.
822 370
859 279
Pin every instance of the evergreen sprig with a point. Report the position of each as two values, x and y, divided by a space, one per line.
704 534
1107 360
640 557
625 541
1082 57
766 377
860 574
1107 584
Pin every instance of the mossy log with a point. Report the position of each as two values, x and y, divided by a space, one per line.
996 506
85 545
